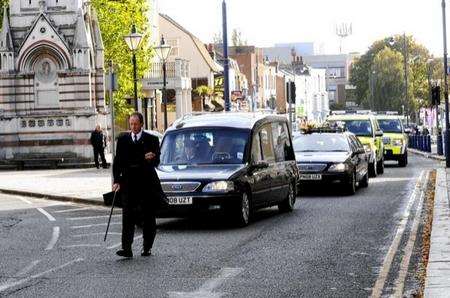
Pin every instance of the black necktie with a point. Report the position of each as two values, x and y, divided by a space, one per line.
135 138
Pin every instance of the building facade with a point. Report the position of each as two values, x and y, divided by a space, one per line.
51 79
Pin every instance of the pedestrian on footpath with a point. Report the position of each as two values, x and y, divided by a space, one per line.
98 142
137 156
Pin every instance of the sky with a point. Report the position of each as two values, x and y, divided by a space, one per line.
266 22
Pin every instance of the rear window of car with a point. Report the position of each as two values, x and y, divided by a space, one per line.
318 142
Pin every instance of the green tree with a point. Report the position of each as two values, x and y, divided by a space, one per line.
386 81
3 3
116 19
204 91
362 73
236 38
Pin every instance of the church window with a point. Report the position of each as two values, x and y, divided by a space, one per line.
41 123
23 123
32 123
50 122
68 122
59 122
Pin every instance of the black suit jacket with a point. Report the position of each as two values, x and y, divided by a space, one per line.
131 167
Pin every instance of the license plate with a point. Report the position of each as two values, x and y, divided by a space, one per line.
180 200
310 177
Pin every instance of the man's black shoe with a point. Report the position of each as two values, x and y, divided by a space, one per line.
125 253
146 252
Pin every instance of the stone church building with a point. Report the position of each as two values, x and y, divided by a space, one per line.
51 79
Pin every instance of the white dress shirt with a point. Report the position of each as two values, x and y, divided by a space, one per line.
138 136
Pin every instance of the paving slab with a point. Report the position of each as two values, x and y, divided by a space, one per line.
438 270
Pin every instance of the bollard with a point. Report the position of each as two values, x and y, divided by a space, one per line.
428 142
421 143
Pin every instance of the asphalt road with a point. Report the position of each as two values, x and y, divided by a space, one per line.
331 246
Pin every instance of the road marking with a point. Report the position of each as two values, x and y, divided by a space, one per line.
81 245
73 210
25 200
207 289
92 217
120 243
400 282
379 284
27 268
10 284
50 218
54 239
94 225
94 234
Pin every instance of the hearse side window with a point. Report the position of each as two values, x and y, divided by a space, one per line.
353 143
288 149
256 149
267 147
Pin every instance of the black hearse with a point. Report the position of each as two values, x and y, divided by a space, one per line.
231 162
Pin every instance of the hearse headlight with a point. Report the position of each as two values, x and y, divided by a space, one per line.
339 167
219 186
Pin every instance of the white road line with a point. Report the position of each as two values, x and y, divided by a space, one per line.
48 215
73 210
81 245
386 267
10 284
25 200
400 282
120 243
95 225
207 289
92 217
94 234
54 239
27 268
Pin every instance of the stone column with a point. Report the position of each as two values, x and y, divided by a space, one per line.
179 103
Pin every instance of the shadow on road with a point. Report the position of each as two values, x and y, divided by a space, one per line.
222 222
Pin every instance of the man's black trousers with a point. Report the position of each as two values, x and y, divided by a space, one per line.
101 152
136 211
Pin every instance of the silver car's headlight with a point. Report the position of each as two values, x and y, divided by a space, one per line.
397 142
339 167
219 186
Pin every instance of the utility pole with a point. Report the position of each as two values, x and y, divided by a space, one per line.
226 64
405 59
447 124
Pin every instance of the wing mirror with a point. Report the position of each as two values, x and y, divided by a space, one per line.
379 133
259 165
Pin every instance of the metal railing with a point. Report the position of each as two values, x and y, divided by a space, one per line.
177 69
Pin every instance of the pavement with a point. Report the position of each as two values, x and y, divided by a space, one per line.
75 185
331 245
438 270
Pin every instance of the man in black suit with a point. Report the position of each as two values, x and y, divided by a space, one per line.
137 156
98 142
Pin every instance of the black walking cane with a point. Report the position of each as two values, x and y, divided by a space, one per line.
110 215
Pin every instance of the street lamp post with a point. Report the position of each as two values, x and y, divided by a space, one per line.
163 52
405 59
133 41
447 124
226 66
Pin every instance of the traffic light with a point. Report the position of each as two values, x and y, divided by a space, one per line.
292 89
435 95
